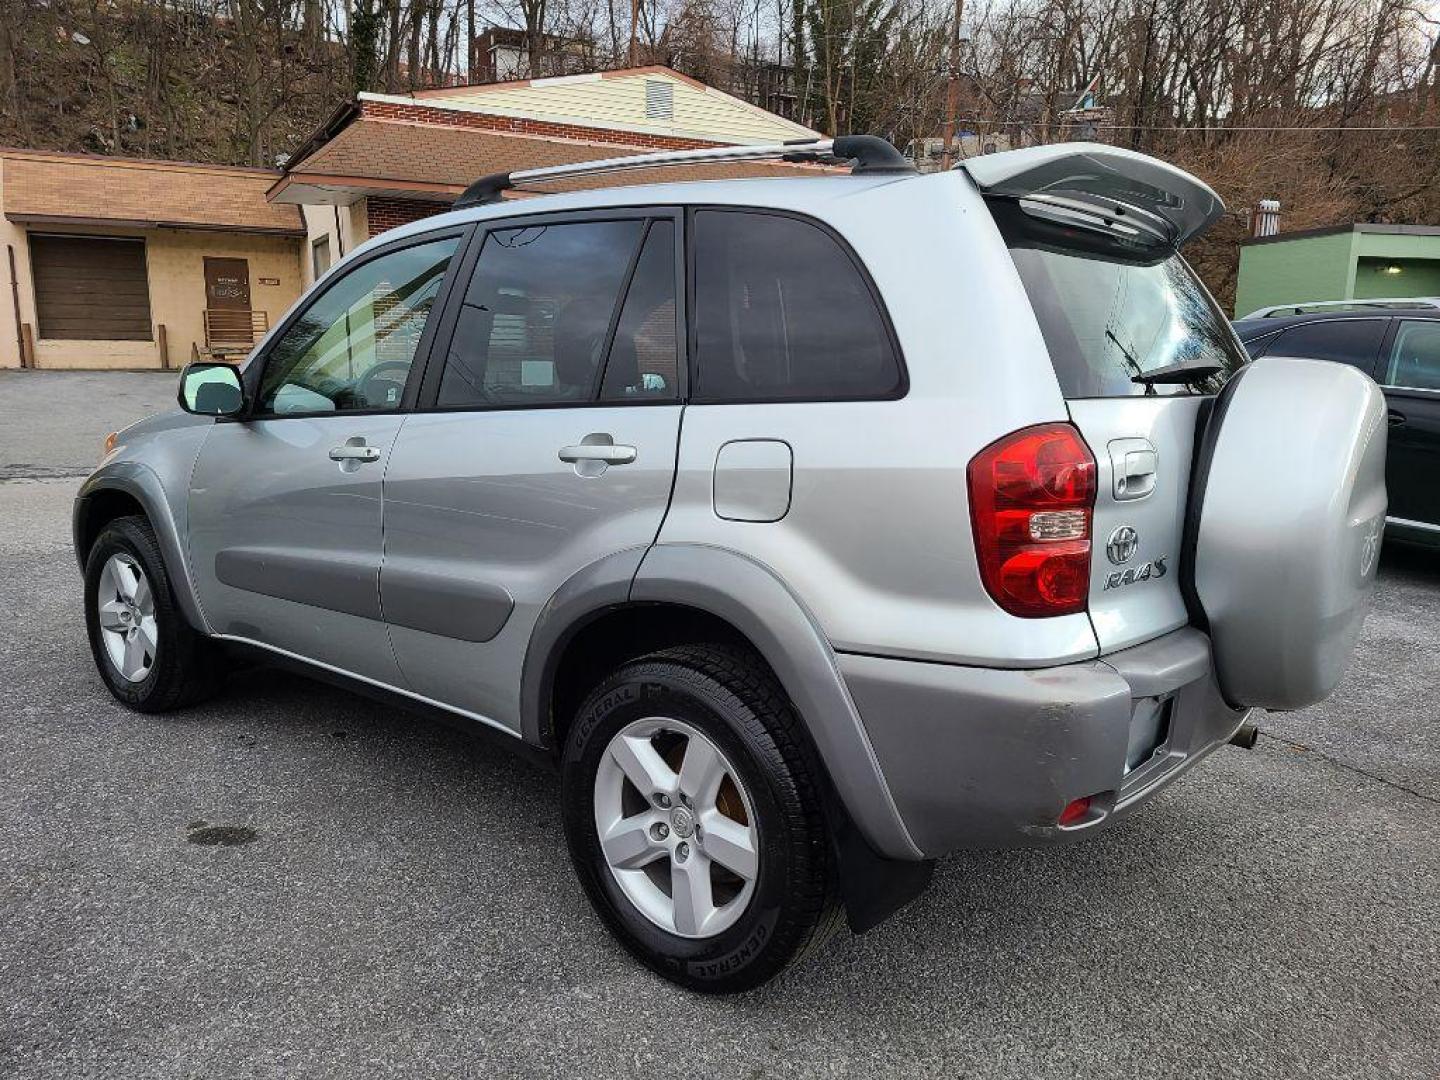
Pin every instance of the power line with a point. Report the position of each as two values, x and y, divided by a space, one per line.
1197 127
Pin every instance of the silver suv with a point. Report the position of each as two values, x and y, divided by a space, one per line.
813 527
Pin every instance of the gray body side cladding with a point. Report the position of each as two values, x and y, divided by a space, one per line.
142 484
317 580
599 587
754 601
438 603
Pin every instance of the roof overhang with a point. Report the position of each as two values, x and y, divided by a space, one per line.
324 190
1363 228
84 221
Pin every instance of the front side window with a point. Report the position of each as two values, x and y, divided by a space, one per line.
1414 361
353 346
536 323
782 313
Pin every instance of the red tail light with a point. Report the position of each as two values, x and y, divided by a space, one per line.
1031 498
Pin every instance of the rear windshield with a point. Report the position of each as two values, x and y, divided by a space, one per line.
1107 320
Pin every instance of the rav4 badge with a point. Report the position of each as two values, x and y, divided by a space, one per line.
1124 542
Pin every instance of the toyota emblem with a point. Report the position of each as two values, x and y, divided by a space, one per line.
1124 542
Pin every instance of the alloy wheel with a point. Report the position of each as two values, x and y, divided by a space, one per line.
676 827
126 606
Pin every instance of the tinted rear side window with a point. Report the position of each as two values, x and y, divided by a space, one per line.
1347 341
782 313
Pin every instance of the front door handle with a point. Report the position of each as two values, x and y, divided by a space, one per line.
351 452
606 453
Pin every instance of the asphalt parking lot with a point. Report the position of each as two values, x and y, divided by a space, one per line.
405 906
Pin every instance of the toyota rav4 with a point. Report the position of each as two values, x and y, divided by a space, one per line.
813 527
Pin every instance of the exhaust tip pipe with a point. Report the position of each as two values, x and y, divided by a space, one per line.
1246 735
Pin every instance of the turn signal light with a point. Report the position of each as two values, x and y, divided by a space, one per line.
110 441
1032 496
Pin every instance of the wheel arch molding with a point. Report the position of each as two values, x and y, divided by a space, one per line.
121 489
720 591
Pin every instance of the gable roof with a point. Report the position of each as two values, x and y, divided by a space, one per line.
616 101
55 188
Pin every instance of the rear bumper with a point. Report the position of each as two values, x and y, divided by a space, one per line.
979 757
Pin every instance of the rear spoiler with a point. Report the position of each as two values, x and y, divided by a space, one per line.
1104 188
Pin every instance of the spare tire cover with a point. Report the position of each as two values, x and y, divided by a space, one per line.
1288 515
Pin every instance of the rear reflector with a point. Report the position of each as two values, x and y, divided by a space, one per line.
1074 812
1031 498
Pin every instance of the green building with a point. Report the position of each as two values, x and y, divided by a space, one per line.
1347 262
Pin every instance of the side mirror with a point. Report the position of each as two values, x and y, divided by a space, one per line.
211 390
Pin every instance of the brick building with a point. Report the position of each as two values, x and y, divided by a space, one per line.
124 263
385 160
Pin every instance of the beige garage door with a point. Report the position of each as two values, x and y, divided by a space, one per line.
91 288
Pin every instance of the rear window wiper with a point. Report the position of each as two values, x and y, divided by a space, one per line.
1180 374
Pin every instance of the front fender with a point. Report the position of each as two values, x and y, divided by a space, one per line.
142 484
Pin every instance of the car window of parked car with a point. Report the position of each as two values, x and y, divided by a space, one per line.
535 322
352 348
1414 361
1346 341
783 313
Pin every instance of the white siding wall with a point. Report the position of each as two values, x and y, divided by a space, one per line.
621 101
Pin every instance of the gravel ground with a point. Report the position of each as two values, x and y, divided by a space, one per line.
400 901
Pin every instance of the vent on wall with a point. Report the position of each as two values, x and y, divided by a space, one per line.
659 100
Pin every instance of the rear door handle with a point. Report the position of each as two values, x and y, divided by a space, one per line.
349 452
1396 418
606 453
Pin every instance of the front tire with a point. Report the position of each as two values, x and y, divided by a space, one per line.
151 659
693 814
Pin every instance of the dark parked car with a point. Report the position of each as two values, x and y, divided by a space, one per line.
1399 347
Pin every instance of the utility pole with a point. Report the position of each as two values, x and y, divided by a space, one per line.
470 39
952 90
634 30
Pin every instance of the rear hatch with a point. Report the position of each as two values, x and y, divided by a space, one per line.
1137 344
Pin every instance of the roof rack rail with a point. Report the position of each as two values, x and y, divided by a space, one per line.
870 153
1311 307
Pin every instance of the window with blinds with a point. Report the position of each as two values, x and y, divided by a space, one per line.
91 288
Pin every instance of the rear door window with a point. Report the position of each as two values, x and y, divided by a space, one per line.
1345 341
645 355
537 316
783 313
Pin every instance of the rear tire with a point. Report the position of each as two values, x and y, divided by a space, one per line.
724 706
150 657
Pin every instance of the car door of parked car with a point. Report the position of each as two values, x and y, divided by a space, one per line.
1410 378
285 523
544 441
